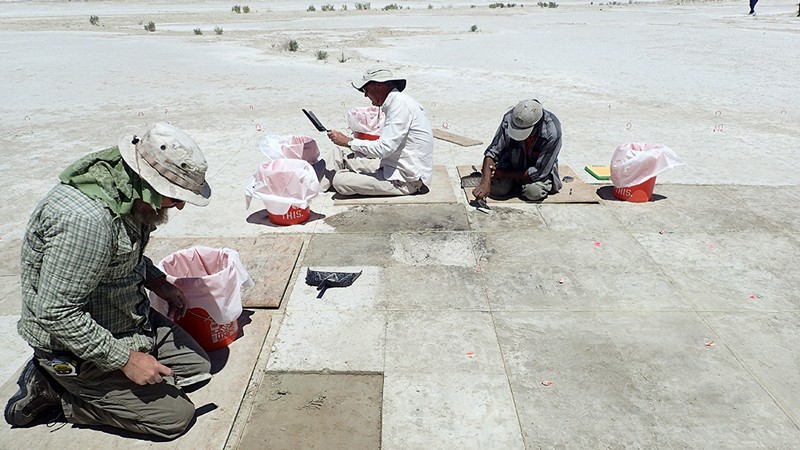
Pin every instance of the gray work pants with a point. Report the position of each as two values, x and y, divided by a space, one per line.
506 187
95 397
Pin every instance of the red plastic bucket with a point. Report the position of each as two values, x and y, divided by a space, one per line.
294 216
369 137
640 193
209 334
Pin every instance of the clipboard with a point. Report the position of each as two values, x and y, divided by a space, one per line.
317 124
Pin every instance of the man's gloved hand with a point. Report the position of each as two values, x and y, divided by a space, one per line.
172 294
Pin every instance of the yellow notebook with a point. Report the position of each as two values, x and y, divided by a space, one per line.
599 172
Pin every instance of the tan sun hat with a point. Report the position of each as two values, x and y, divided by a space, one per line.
524 117
170 161
379 75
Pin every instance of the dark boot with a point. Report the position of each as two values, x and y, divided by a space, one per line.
35 396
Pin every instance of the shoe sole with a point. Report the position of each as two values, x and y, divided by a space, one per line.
10 412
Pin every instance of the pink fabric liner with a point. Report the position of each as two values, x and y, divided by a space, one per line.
209 278
283 183
634 163
367 120
291 147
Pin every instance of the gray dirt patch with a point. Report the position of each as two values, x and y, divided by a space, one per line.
304 410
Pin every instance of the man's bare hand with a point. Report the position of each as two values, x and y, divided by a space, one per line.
172 294
482 190
338 138
143 368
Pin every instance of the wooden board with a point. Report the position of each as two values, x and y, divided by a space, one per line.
440 192
454 138
270 261
575 191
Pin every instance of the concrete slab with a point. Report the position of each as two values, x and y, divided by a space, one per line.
457 289
348 249
564 286
361 295
449 410
619 379
217 403
579 217
436 342
687 209
766 344
330 341
587 247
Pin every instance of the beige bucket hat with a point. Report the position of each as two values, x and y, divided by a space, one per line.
170 161
379 75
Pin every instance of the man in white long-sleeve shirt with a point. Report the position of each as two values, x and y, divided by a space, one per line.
400 162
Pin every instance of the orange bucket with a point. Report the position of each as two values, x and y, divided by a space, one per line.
369 137
208 333
294 216
640 193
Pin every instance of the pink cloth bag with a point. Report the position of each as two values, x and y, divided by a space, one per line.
634 163
291 147
283 183
209 278
368 120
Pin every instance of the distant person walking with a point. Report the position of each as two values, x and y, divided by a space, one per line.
753 7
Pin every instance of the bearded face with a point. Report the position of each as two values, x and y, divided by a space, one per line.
146 215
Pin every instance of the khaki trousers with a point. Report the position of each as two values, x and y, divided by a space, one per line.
94 397
362 176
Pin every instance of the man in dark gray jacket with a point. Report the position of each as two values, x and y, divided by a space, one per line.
523 156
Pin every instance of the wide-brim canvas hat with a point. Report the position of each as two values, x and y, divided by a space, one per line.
524 117
379 75
170 162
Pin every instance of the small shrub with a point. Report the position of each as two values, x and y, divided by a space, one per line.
321 55
473 28
237 9
151 26
328 7
391 6
198 31
246 9
344 7
292 45
94 20
218 30
343 59
311 8
362 6
430 6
